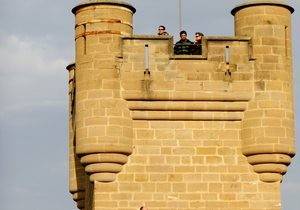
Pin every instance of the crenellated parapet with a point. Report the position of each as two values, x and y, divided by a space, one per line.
210 131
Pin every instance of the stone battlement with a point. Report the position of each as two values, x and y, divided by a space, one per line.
186 132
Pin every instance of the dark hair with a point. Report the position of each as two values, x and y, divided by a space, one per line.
182 32
161 26
199 33
142 208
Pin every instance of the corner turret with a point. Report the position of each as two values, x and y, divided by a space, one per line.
268 126
77 176
102 120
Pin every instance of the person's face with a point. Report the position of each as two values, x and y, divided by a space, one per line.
183 37
198 38
161 30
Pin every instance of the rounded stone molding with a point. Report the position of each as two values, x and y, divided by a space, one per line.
104 2
252 3
103 167
71 66
269 158
79 198
95 149
103 177
270 177
269 149
79 195
104 158
270 167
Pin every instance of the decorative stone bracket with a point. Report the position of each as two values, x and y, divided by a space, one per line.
103 167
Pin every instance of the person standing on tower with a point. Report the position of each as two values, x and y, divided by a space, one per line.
184 46
198 43
162 31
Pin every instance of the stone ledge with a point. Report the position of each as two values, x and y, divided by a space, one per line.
104 158
89 149
228 38
148 37
269 149
187 106
194 96
208 38
103 168
188 57
187 115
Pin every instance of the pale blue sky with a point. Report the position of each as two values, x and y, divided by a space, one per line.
36 43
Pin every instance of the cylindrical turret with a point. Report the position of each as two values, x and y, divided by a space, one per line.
77 174
268 125
103 123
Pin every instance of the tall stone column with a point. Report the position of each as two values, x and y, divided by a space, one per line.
268 125
103 122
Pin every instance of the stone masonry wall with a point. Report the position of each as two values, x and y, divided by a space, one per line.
187 141
189 133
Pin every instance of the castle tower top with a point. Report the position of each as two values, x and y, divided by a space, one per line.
103 2
250 3
196 129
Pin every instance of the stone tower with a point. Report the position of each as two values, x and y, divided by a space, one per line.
150 128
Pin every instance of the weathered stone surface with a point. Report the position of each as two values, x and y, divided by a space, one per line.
190 132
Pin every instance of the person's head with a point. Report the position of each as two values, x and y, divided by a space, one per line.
198 36
143 208
161 30
183 35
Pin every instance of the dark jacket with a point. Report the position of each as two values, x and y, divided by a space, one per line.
197 48
183 47
163 34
